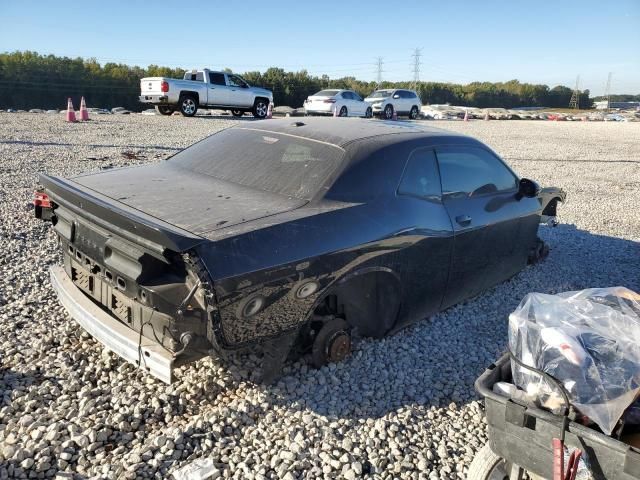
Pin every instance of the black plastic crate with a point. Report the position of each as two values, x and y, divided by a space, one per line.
523 435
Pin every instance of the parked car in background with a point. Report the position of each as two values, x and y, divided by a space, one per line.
344 103
289 235
403 102
205 88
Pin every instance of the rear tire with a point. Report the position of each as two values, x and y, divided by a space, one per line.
188 105
237 113
343 112
413 114
388 112
260 108
164 109
368 113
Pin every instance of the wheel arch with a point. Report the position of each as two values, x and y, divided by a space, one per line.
369 299
190 93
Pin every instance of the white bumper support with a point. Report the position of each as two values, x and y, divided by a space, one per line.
114 335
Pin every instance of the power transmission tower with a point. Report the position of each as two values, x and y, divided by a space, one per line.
379 71
575 98
417 53
607 91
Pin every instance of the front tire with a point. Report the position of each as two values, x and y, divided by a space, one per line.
388 112
413 114
237 113
188 105
164 109
260 108
343 112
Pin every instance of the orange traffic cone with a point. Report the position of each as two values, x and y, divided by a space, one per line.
71 113
270 111
395 115
84 113
466 115
335 111
486 115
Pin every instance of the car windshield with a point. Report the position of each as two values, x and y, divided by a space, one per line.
283 164
326 93
380 94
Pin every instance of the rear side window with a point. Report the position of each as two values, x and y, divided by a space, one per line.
469 171
216 78
198 77
347 95
420 177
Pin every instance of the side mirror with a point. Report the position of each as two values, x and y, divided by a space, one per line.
396 96
528 188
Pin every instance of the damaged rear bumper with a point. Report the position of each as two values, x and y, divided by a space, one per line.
149 355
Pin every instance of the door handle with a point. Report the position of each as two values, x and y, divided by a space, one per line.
463 220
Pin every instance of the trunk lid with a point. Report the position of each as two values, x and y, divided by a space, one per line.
189 201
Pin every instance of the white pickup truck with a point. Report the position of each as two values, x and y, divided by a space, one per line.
205 88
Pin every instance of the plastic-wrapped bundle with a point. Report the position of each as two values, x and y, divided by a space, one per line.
587 340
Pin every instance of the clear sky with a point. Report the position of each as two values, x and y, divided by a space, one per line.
539 41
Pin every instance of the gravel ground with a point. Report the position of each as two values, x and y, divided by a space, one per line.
403 407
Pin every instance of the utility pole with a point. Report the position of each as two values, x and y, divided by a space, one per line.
417 53
575 98
607 92
379 71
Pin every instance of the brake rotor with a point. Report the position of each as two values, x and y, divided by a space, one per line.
339 347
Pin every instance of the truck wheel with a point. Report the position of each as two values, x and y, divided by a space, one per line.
388 112
237 113
486 465
332 343
188 105
260 108
164 109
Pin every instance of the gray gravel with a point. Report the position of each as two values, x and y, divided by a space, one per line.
403 407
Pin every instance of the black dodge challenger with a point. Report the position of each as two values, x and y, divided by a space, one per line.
293 236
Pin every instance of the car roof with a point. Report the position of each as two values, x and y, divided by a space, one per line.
342 131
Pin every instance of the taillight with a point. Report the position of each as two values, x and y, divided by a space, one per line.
164 87
330 100
41 199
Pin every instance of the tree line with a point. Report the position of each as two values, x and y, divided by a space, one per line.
30 80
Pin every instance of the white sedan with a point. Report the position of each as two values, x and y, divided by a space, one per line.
342 103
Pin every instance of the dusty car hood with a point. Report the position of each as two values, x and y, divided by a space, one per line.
196 203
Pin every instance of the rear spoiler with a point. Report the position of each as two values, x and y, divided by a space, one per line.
127 222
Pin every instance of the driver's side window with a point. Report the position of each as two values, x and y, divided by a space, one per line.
472 171
235 81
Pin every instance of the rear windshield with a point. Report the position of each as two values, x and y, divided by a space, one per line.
273 162
326 93
380 94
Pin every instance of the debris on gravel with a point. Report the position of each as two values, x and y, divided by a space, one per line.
402 407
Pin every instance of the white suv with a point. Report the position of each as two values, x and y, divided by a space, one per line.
403 102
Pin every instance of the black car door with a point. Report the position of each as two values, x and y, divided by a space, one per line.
426 262
494 227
